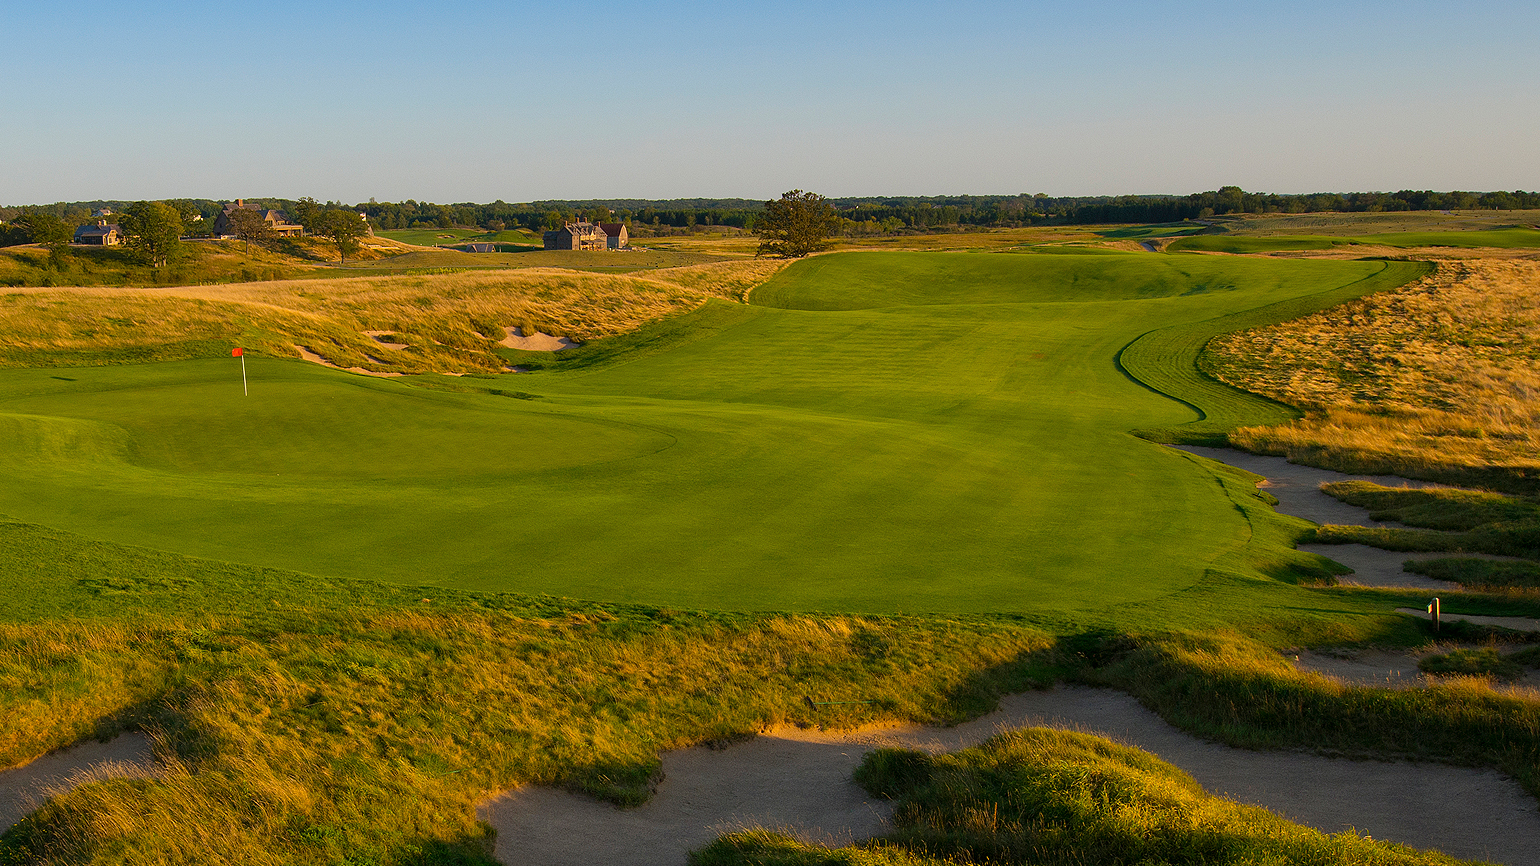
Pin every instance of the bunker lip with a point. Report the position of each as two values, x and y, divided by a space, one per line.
379 337
314 358
26 787
1298 491
535 342
798 781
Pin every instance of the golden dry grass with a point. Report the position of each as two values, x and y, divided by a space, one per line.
387 725
1442 372
450 322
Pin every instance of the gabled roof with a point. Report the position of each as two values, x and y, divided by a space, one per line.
612 229
95 231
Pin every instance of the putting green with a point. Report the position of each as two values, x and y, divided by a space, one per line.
880 432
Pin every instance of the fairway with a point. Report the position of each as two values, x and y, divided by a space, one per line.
912 432
1507 238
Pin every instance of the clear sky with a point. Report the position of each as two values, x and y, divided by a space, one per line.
519 101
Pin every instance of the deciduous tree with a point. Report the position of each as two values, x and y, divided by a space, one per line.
796 224
154 231
52 232
249 225
341 227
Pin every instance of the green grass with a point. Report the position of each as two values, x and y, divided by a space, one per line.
251 580
1478 573
1164 230
1507 238
977 397
1483 661
1039 796
449 237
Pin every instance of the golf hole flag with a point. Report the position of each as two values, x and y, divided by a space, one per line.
241 353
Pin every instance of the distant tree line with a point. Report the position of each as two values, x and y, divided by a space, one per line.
857 216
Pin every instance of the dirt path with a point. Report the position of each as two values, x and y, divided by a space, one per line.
799 781
23 788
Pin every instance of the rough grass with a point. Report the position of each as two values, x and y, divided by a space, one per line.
451 322
307 720
1478 573
201 262
1167 360
1447 520
313 720
1440 379
1481 661
1234 690
1039 796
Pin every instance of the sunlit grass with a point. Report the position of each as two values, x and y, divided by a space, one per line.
1440 375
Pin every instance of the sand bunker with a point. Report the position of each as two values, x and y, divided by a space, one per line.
379 337
1298 489
536 342
313 358
1384 669
799 781
24 788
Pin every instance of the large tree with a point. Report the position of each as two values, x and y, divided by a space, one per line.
796 224
341 227
249 225
49 230
154 231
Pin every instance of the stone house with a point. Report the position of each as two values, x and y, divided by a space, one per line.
616 236
100 233
577 236
277 220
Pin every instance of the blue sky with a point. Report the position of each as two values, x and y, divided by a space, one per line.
476 102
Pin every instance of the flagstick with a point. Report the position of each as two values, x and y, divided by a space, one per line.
244 389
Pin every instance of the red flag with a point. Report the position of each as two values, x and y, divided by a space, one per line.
236 353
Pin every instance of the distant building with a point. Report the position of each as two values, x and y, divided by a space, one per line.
616 236
102 212
100 233
481 248
277 220
577 236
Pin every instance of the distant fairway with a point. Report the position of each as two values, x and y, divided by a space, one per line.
1508 238
883 432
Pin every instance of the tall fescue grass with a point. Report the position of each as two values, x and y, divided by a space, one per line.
1439 379
450 322
1234 690
307 721
1039 796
